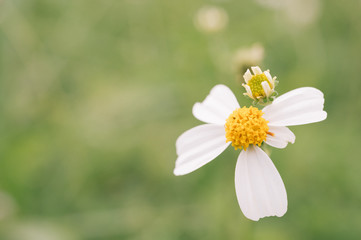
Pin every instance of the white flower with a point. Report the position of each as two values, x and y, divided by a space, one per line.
249 56
211 19
299 12
260 84
259 187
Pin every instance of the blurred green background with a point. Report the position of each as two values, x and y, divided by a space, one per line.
93 95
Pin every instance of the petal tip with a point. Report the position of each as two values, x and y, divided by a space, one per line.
176 172
324 115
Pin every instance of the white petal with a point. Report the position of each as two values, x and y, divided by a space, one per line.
259 187
249 92
299 94
301 119
300 106
217 106
198 146
281 137
256 70
269 77
247 76
266 88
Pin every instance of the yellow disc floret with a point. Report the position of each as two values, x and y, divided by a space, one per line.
256 86
246 126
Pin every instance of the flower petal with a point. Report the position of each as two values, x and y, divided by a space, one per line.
269 77
249 92
297 107
259 187
256 70
266 88
299 92
280 138
217 106
247 76
198 146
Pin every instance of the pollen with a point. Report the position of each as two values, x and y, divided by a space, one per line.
246 126
255 84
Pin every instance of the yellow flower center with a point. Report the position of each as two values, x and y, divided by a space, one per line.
256 86
246 126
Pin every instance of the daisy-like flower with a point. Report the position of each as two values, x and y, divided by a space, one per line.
259 188
259 85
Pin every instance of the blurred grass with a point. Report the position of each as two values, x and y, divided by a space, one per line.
93 95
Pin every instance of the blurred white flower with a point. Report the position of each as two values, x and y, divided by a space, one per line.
33 229
273 4
303 12
300 12
259 187
260 85
247 57
211 19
